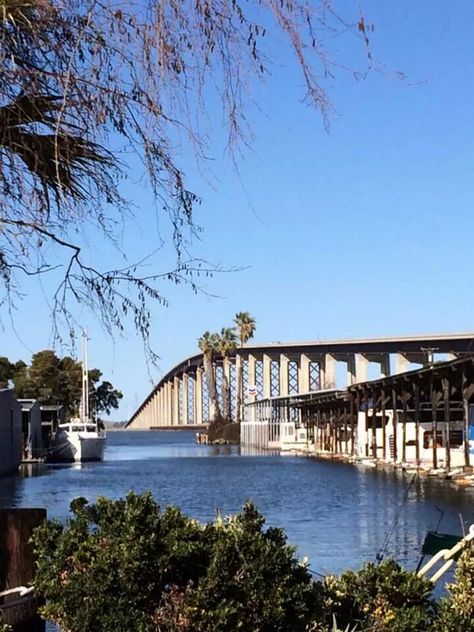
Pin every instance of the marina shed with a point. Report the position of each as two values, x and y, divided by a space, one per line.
32 441
51 416
10 432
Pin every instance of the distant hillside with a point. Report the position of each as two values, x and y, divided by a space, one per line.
114 425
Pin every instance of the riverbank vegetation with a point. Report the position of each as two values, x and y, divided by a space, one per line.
129 565
246 326
54 380
217 348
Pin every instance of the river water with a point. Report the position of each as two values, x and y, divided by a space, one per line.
338 515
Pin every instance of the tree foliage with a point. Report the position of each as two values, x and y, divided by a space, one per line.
7 370
380 598
207 344
129 565
84 83
226 344
223 344
457 609
54 380
246 326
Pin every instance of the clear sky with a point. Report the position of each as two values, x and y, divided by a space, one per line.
365 230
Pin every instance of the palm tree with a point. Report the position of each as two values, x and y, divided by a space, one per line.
208 345
60 160
246 326
226 344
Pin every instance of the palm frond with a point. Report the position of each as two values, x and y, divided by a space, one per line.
60 159
21 13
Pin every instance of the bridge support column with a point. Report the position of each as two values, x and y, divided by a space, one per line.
198 397
152 412
402 363
267 376
239 384
184 400
160 406
146 416
303 373
252 379
155 409
283 374
169 403
176 411
163 405
351 369
327 372
226 380
361 368
385 365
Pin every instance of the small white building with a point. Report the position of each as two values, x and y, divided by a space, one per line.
10 432
294 437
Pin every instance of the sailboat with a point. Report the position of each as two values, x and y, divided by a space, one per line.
80 439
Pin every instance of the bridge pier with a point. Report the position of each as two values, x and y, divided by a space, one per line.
267 376
303 373
184 399
327 371
284 374
181 398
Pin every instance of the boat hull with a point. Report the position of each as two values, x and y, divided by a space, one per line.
77 448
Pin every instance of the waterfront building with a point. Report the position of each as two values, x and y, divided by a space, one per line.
422 418
10 432
32 441
51 416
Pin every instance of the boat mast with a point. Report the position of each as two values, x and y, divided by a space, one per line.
85 380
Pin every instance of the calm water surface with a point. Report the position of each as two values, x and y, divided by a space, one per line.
338 515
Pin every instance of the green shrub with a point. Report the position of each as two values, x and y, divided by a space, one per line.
126 565
456 612
382 598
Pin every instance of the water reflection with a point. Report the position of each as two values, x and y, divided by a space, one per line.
337 514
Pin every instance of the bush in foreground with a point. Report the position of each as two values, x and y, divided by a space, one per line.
126 565
456 612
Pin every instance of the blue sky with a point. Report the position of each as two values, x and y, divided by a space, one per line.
364 230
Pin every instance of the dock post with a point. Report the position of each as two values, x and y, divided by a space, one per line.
17 566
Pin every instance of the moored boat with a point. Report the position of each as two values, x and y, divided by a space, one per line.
80 439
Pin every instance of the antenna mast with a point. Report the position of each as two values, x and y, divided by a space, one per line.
85 380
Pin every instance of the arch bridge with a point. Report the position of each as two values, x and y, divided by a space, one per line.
180 399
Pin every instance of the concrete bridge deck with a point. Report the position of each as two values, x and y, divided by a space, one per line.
278 369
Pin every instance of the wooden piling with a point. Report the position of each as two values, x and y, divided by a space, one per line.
434 425
384 425
404 425
374 424
447 420
17 566
395 425
466 389
354 403
416 396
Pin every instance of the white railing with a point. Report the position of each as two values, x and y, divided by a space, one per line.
446 555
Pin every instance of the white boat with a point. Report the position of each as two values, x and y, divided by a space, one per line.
80 439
